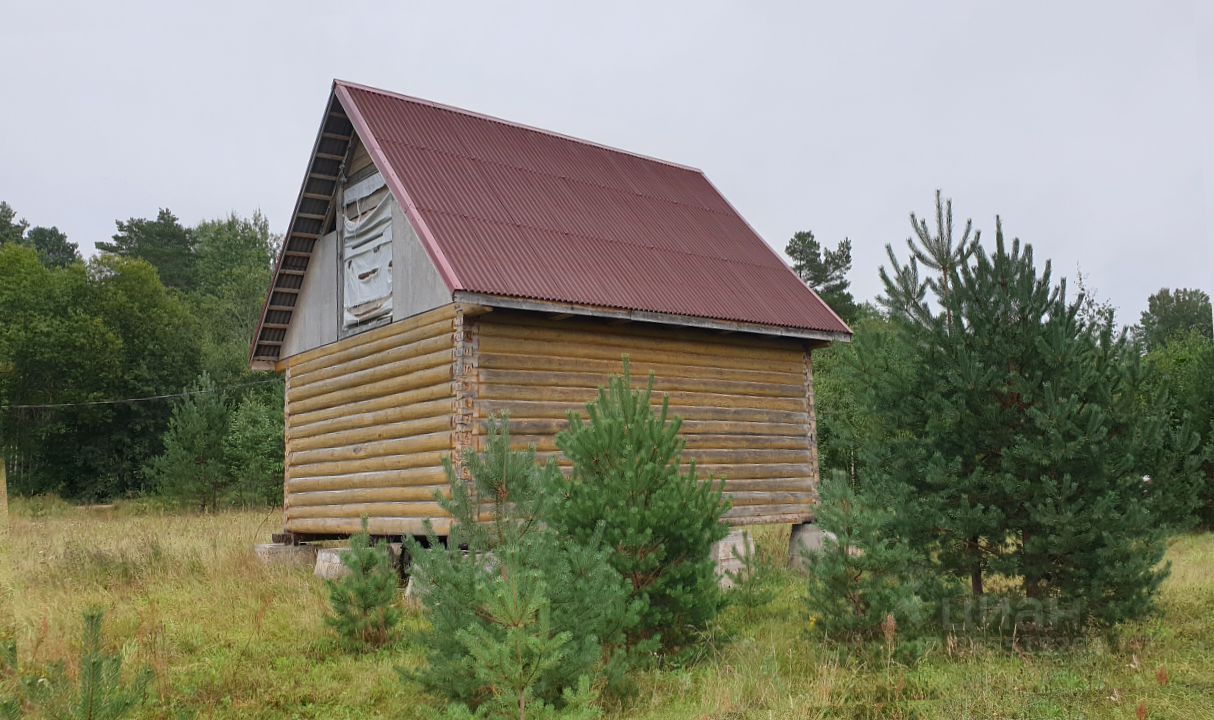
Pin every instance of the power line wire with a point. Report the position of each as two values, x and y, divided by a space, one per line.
120 401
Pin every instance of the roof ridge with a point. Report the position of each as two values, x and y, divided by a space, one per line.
512 123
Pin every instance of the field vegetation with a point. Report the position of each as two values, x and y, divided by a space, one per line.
229 637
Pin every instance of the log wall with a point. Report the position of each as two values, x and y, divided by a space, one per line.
369 420
746 401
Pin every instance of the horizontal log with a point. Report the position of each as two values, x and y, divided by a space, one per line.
375 433
793 518
689 428
547 443
390 349
438 375
297 420
682 399
436 354
753 471
357 510
642 329
410 477
615 366
740 511
527 409
372 464
397 446
577 349
663 384
357 346
375 526
800 484
769 497
416 411
416 493
612 337
722 470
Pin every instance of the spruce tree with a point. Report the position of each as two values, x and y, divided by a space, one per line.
517 612
364 601
629 492
1016 439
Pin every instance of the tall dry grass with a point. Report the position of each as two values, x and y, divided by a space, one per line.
232 638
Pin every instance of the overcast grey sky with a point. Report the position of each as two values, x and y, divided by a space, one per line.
1086 125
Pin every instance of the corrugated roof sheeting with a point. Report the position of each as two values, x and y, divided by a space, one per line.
529 214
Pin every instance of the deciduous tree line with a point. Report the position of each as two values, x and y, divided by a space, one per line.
161 310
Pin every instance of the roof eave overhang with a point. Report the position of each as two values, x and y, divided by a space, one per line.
817 337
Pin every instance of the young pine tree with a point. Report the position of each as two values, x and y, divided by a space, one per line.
863 572
100 692
1015 435
627 492
191 469
365 609
518 613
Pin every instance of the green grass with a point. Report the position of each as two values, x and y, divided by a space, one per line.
231 638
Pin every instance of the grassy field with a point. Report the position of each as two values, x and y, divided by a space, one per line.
231 638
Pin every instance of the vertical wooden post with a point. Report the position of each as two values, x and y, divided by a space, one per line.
3 503
7 621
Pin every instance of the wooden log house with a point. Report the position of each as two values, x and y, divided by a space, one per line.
443 266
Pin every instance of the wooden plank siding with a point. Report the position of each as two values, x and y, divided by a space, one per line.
368 423
746 401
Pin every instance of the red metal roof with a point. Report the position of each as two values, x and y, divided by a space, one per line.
510 210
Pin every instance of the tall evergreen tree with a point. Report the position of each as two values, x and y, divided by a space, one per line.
825 271
52 245
1174 313
163 242
12 228
1017 436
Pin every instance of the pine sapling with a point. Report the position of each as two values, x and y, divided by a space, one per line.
365 609
629 490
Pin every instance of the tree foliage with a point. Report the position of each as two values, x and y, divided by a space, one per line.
518 613
234 261
863 575
191 469
1016 437
825 271
253 447
164 243
87 334
1174 313
629 493
76 337
51 244
98 692
906 291
365 607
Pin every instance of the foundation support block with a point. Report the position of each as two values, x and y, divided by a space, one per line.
730 556
805 539
283 554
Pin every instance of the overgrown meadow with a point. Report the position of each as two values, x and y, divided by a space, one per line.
230 637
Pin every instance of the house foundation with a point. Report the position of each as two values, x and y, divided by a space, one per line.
733 557
805 539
